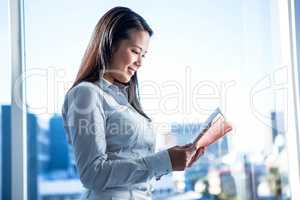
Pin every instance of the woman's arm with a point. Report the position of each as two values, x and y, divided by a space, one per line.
85 122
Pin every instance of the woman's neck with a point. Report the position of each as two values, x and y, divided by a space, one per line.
108 78
111 80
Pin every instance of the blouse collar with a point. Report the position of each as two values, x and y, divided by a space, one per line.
106 85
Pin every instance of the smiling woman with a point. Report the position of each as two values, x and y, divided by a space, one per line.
225 54
120 39
115 155
127 57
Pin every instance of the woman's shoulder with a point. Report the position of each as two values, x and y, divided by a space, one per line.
83 95
83 92
85 85
83 88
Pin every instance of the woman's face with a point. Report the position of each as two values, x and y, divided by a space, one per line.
127 58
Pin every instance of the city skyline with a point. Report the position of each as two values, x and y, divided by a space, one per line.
51 161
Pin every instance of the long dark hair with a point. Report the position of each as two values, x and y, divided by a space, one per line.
112 27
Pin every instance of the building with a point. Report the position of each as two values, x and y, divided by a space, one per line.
61 158
59 152
43 151
32 130
278 129
47 150
6 152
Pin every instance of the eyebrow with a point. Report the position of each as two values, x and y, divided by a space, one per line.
139 47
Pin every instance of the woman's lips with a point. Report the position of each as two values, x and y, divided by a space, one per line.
131 70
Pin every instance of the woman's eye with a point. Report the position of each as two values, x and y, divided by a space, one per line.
135 52
138 53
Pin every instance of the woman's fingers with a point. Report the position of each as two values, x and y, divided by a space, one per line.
184 156
196 156
191 152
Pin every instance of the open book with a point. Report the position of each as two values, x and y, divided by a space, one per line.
213 129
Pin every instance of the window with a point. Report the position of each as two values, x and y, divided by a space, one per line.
230 54
5 100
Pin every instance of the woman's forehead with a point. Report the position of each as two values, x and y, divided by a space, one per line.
139 39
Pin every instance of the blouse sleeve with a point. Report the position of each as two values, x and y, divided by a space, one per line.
84 121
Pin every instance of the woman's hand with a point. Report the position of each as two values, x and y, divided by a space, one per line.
199 152
184 156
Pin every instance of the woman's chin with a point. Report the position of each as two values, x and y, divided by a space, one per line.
124 79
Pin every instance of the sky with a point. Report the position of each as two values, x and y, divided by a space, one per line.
204 53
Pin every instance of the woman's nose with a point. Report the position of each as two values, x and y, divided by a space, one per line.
139 61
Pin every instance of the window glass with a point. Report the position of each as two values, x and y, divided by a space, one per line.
5 101
204 54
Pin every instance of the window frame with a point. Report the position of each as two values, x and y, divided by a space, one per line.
19 166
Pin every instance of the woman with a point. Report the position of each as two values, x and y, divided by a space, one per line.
111 134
